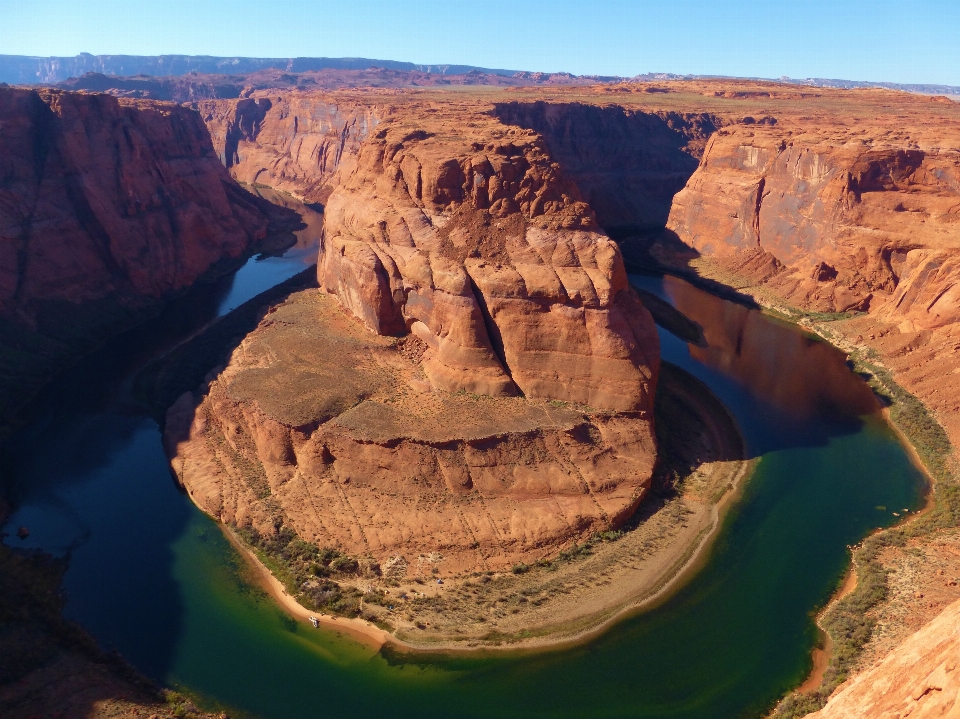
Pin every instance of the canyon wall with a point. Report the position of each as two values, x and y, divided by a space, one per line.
918 679
292 142
106 206
627 163
832 220
841 217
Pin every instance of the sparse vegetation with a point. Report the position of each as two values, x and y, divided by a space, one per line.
304 568
850 622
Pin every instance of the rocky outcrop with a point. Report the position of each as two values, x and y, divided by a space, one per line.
920 678
476 379
480 246
832 220
322 426
106 206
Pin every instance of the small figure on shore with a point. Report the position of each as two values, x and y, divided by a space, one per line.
315 622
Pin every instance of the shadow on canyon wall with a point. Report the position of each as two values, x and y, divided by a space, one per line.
85 469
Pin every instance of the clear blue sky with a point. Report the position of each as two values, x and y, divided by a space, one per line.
893 40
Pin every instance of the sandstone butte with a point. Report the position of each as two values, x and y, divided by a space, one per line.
106 207
515 413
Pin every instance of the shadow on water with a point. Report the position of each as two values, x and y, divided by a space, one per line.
154 577
86 472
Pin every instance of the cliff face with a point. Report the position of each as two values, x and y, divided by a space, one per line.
480 246
101 199
627 163
291 142
832 220
844 216
105 207
917 679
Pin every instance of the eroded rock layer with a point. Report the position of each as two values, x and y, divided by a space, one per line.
106 208
844 216
480 246
321 425
464 238
920 678
100 197
834 219
289 141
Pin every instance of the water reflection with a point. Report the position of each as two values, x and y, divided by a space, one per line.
799 373
786 388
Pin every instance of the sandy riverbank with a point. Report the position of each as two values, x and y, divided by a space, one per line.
565 602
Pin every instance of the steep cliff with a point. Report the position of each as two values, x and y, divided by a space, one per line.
627 163
106 207
845 220
917 679
852 216
291 141
480 245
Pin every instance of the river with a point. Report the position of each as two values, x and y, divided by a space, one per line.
152 577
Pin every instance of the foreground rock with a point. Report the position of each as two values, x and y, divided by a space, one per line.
920 678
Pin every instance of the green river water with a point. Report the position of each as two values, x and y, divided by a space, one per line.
154 578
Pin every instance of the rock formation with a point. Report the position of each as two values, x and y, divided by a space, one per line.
320 425
840 216
476 250
830 219
919 679
290 142
106 206
627 163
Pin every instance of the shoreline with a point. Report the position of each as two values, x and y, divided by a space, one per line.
822 655
661 549
368 634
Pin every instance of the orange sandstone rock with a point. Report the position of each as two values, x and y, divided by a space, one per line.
919 679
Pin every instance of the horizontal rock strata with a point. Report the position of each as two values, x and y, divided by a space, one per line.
919 679
462 237
106 208
319 424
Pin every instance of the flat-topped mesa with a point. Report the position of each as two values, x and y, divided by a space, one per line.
477 243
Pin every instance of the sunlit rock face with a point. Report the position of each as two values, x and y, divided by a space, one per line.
483 249
475 377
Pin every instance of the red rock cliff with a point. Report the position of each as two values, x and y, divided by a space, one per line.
105 206
292 142
476 242
851 220
102 197
627 163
